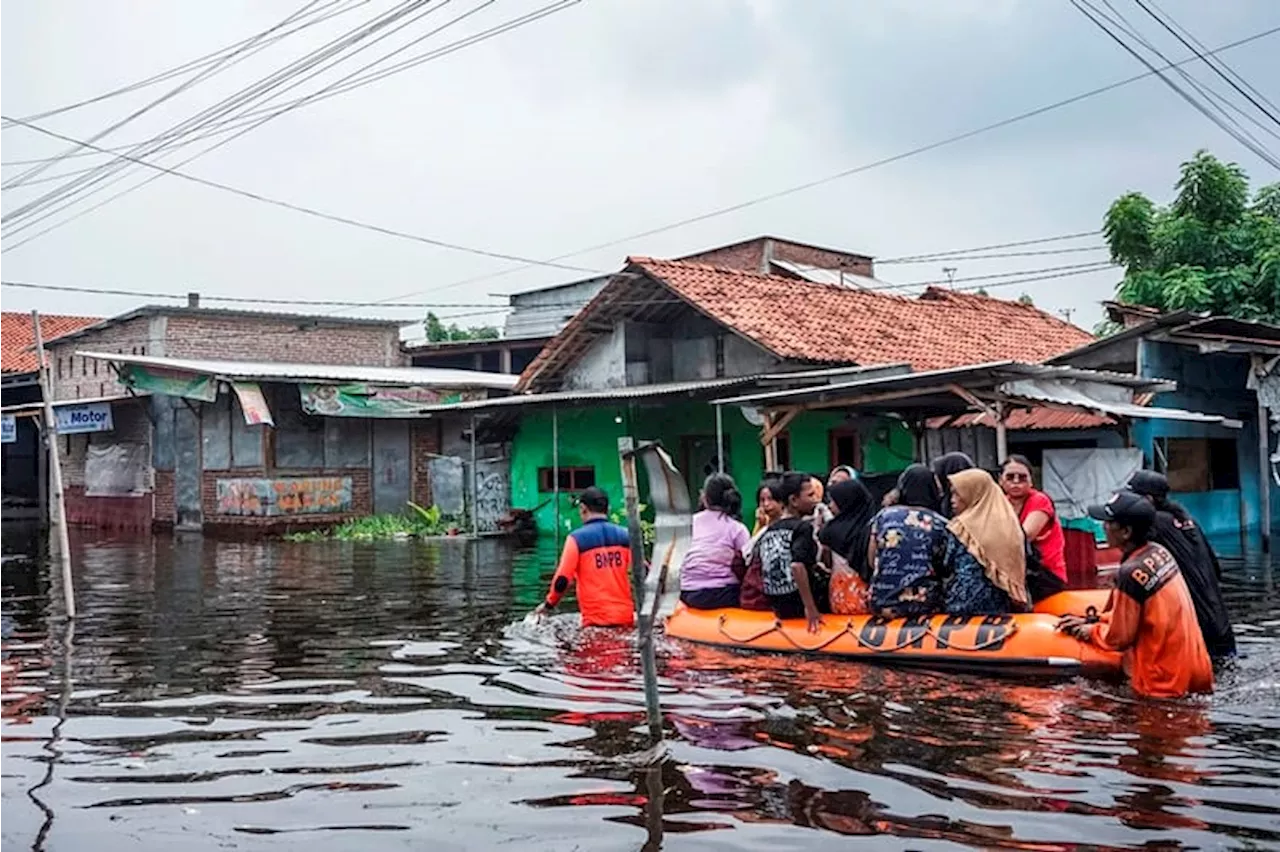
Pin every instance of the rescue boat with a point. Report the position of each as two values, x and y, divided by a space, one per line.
1017 642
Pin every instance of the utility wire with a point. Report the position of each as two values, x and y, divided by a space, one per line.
950 140
1197 49
319 214
435 54
1095 17
191 65
172 93
247 95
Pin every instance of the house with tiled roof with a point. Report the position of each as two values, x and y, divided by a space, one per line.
20 452
760 311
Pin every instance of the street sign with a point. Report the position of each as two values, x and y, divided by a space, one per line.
90 417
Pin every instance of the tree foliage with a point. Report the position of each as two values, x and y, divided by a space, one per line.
1211 250
438 332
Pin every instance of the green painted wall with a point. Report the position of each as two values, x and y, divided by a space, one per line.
589 437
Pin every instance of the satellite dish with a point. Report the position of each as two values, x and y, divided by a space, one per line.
753 415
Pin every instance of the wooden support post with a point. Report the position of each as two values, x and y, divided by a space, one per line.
644 615
60 542
1002 435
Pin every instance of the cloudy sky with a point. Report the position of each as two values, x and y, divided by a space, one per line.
601 121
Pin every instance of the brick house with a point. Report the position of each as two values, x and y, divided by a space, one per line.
167 451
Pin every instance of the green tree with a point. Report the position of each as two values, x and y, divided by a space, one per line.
1211 250
438 332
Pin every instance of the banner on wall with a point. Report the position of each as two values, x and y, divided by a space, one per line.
364 400
90 417
253 403
8 429
169 382
318 495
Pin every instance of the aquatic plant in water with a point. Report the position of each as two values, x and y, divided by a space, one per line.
416 523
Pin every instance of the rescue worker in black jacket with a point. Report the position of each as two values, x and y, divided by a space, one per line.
1178 533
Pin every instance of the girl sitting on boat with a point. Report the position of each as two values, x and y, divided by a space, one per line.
711 574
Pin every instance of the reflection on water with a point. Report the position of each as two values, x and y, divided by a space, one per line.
341 695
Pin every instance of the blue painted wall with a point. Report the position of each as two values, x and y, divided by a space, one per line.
1215 384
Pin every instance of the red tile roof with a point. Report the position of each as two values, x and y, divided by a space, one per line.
824 323
820 322
16 337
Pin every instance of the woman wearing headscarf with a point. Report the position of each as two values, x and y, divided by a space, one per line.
943 467
845 537
907 545
986 553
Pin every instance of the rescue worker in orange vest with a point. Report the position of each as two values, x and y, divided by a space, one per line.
1150 616
597 556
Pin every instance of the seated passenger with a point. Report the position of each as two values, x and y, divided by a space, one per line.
906 549
943 467
1036 513
784 549
710 576
845 538
768 510
986 551
1150 616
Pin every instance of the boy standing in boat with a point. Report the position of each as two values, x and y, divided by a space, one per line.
597 556
1150 616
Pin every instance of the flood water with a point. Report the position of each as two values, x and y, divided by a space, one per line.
333 696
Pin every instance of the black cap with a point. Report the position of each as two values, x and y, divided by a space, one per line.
1127 509
1149 484
594 499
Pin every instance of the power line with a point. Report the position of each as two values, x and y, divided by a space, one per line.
191 65
156 144
309 211
950 140
1207 61
1096 18
330 91
172 93
994 247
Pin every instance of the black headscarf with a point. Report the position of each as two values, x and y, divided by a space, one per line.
944 466
849 531
918 487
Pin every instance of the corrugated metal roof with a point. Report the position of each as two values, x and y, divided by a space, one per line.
835 277
274 370
664 389
1033 419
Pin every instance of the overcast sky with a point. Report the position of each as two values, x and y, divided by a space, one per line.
600 121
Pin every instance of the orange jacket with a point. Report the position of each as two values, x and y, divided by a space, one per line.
597 556
1152 620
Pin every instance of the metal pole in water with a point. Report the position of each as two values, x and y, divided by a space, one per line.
555 469
644 619
475 484
58 517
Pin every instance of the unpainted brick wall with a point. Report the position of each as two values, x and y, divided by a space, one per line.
242 339
750 257
75 377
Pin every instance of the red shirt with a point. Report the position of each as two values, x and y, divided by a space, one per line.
1051 543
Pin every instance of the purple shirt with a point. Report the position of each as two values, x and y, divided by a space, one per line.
717 540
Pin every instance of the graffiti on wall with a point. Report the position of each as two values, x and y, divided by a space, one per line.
493 494
313 495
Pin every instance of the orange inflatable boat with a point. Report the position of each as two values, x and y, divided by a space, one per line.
1017 642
